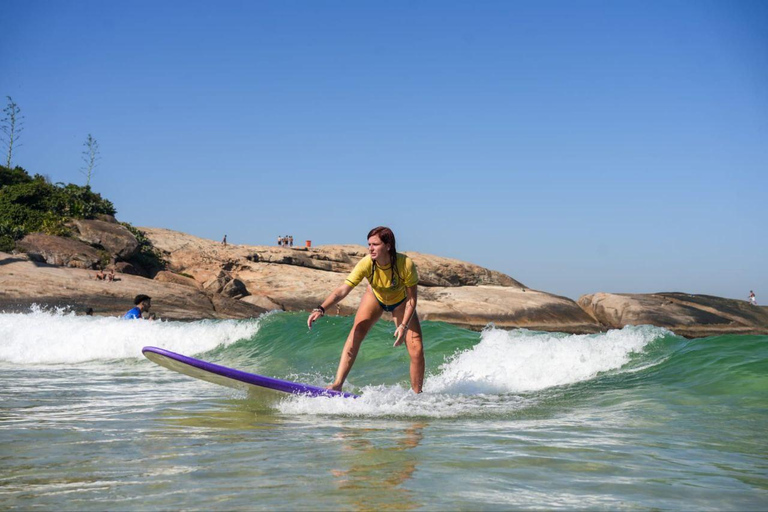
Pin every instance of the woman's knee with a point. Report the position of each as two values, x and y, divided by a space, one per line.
360 330
415 348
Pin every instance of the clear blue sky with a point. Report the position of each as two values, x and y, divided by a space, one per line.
578 146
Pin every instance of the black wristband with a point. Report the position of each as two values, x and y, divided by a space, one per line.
321 308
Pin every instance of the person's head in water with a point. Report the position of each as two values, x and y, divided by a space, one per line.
143 301
381 245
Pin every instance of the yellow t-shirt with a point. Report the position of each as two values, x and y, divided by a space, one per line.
386 285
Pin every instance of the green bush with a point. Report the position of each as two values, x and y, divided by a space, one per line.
7 243
13 176
54 225
148 256
33 204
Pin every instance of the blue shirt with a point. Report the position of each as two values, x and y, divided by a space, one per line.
134 313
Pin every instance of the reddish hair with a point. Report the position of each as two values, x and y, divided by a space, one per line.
388 237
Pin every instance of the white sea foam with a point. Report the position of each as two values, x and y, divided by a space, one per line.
53 337
496 376
520 361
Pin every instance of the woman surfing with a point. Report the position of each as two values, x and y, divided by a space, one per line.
392 280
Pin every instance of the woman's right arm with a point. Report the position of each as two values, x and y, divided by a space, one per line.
334 298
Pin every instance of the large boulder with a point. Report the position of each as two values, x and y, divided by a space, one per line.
56 250
170 277
123 267
685 314
223 283
234 289
114 238
474 307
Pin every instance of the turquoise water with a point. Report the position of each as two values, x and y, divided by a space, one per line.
631 419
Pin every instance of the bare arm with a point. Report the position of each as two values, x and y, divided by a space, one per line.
410 309
334 298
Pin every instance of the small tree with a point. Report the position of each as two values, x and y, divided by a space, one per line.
11 127
91 158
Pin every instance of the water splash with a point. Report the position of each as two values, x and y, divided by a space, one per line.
498 376
521 361
56 336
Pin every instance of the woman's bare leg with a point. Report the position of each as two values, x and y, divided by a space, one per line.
413 341
368 313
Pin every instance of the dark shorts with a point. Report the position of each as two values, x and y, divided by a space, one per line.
389 308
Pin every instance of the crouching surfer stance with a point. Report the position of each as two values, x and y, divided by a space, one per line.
392 280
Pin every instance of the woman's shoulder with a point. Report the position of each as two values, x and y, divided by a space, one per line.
404 259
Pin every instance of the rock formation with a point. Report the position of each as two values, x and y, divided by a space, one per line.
206 279
24 282
56 250
687 315
299 278
113 237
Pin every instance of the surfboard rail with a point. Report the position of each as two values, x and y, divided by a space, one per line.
205 370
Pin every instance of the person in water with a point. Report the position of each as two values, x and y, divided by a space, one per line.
143 303
392 279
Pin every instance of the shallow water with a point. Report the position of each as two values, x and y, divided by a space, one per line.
636 418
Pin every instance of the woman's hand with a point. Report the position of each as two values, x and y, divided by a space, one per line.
316 313
334 298
400 334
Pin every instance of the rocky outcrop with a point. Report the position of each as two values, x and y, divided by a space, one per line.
190 252
123 267
476 306
114 238
687 315
223 283
169 277
297 279
60 251
447 272
206 279
24 282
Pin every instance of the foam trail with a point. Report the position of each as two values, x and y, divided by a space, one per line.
53 337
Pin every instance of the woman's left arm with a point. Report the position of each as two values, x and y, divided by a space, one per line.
410 310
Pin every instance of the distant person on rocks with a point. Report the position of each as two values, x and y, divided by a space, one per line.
224 241
290 240
280 241
111 276
100 275
752 298
143 303
392 280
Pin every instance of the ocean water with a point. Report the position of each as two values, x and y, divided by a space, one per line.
636 419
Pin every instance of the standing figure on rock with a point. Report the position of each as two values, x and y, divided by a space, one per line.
392 280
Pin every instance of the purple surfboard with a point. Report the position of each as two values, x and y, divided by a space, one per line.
230 377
